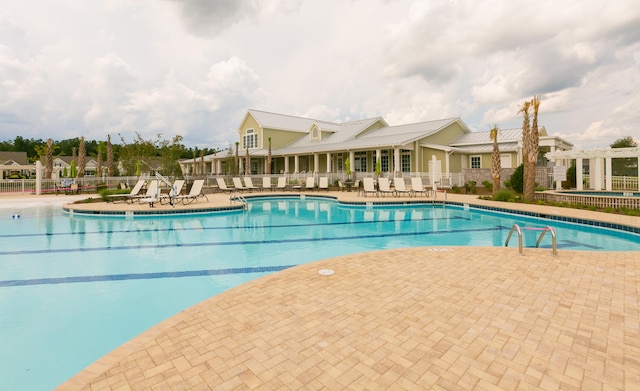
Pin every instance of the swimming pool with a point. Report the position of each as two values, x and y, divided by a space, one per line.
73 288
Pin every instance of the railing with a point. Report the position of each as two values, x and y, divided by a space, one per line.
544 230
238 198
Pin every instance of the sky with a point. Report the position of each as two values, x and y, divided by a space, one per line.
72 68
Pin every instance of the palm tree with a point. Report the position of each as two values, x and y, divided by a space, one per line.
525 109
237 159
99 160
49 157
109 156
247 161
81 158
495 159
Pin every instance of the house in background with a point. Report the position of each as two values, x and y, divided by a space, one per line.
60 163
13 165
437 149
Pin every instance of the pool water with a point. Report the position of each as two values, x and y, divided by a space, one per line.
73 288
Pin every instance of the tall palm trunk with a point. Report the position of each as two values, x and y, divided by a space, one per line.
109 157
269 158
99 162
48 170
526 149
495 159
82 152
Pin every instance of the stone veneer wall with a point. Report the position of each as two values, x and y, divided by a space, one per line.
484 174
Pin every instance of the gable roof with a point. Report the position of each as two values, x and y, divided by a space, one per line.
12 158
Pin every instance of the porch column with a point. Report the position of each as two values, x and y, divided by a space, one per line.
608 174
352 157
296 164
241 166
316 162
396 162
378 159
579 174
328 162
597 174
218 166
38 177
286 164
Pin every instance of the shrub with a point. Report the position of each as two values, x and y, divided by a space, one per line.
504 195
470 187
516 181
106 192
456 189
488 185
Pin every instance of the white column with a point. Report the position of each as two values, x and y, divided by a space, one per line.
638 173
396 162
316 162
607 173
296 164
328 162
38 177
219 166
597 174
579 174
286 164
352 160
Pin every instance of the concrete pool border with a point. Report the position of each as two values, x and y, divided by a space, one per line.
538 322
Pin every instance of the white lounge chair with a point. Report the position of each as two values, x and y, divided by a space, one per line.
248 184
123 197
400 187
282 183
369 187
237 184
418 187
222 185
194 193
175 191
266 183
323 183
384 187
310 184
152 195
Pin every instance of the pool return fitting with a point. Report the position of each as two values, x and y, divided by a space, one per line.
544 230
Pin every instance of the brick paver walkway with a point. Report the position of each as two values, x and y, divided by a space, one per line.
454 318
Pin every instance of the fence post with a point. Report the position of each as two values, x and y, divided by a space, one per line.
38 177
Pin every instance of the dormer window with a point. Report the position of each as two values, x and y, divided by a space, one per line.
250 140
315 133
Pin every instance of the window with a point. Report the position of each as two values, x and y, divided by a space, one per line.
250 140
339 165
315 133
360 163
475 162
405 160
384 161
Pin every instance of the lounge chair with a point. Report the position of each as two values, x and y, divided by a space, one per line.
152 195
266 183
123 197
323 183
418 187
341 186
369 187
384 187
248 183
282 183
222 185
400 187
194 193
237 184
175 191
310 183
297 186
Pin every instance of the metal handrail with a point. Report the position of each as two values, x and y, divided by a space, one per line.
237 196
544 230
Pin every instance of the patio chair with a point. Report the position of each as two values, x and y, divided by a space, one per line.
341 186
123 197
400 187
237 184
175 191
282 183
222 185
310 183
418 187
369 187
266 183
194 193
323 183
151 196
384 187
248 184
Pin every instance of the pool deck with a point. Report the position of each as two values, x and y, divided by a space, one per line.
444 318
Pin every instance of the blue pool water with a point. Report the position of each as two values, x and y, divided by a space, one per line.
72 288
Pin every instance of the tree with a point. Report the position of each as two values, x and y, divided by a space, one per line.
624 166
495 159
237 159
247 161
530 141
110 166
99 161
48 170
82 152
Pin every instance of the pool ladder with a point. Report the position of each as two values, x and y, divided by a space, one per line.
238 197
544 230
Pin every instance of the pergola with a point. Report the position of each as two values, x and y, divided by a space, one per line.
599 164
